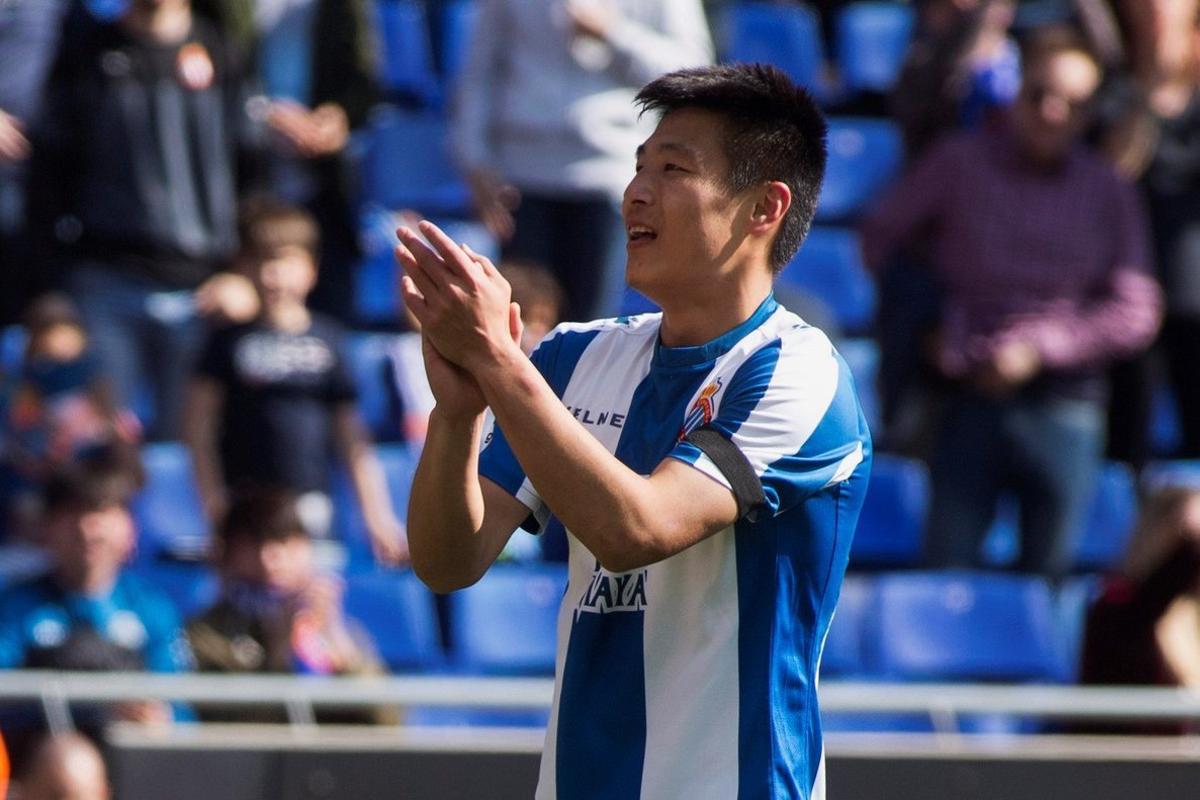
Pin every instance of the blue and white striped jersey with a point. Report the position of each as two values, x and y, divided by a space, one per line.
696 676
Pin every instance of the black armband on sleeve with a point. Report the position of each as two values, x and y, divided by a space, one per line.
733 464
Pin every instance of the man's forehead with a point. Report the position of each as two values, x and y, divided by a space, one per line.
668 146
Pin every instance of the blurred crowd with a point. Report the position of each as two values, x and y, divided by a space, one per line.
180 240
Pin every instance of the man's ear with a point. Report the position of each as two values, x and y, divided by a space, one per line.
770 207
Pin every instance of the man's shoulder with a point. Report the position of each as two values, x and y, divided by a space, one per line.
575 337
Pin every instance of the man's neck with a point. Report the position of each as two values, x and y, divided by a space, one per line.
166 23
691 321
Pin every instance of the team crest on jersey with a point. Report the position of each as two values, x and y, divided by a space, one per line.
702 410
608 593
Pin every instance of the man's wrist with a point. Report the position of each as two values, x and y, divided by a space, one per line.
496 363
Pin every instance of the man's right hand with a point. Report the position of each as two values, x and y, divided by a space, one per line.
456 392
495 201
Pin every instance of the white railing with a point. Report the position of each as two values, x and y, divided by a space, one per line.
943 702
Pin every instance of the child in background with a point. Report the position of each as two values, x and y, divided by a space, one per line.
276 612
57 407
271 400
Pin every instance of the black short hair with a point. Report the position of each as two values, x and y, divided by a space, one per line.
267 225
774 132
260 514
98 480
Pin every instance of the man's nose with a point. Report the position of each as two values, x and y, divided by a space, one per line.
638 192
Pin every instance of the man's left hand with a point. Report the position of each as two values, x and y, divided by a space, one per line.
463 303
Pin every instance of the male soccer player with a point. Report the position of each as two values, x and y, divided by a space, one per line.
709 462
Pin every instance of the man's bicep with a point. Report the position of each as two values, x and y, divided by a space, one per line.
692 503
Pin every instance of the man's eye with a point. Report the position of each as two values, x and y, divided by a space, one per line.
637 167
672 168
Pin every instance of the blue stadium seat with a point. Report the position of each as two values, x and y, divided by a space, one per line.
1071 603
864 156
1105 530
1110 520
12 348
407 165
957 625
843 653
891 527
1166 429
192 586
168 511
398 611
366 357
399 464
784 34
829 266
458 28
507 623
862 356
872 42
408 72
1163 474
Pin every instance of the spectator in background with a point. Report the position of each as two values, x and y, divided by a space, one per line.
314 63
88 614
961 68
64 766
29 31
1042 252
58 407
1154 140
133 191
1144 628
271 399
544 124
276 613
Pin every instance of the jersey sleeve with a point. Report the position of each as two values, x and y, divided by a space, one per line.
787 426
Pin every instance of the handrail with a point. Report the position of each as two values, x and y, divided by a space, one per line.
1044 701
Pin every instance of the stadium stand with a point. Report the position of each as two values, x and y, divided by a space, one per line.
507 622
1103 534
1162 474
399 612
872 41
892 523
407 166
458 22
843 654
367 359
191 586
862 356
829 266
408 70
168 512
864 156
958 625
786 35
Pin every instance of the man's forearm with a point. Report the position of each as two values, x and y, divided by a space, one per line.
446 508
596 496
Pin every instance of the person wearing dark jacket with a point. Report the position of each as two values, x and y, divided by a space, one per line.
133 191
